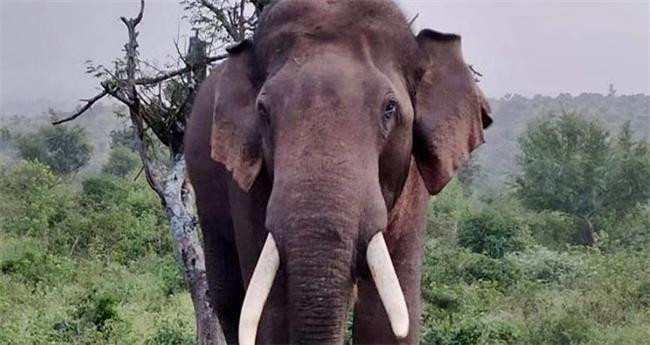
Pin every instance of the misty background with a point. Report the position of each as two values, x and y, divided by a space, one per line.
542 238
522 47
537 59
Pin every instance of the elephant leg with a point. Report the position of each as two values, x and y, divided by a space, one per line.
224 280
221 258
250 235
371 325
274 327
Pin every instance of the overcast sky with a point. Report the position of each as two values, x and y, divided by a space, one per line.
526 47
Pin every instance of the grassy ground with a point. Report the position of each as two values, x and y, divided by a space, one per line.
90 262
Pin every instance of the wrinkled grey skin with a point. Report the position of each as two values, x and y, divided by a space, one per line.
334 123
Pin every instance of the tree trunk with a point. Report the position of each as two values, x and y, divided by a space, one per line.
178 205
588 235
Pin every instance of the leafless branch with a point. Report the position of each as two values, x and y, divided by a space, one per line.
222 17
242 19
172 74
471 68
412 21
88 105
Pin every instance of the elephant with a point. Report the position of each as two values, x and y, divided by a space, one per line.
313 150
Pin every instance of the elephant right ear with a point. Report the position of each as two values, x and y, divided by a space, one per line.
451 111
235 141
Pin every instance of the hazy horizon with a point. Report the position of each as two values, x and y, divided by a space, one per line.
522 47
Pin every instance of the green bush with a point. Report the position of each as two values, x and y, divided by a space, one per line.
121 161
569 328
553 230
643 293
37 201
629 232
96 308
453 266
174 332
545 266
169 275
471 331
103 191
492 232
64 149
28 261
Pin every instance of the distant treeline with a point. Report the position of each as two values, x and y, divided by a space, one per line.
513 113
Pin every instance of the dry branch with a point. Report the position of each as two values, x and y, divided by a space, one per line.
174 191
175 73
89 103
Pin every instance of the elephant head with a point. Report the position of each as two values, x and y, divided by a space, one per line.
333 100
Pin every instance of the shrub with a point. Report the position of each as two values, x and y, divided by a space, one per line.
169 275
541 265
453 266
174 332
568 328
102 191
626 233
64 149
445 211
121 161
96 308
553 230
94 320
491 233
643 293
35 198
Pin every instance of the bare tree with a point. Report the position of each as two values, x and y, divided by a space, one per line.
158 107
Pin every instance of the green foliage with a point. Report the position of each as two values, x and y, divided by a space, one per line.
513 113
628 170
563 161
551 229
629 232
89 265
173 332
64 149
35 199
121 161
491 232
96 309
90 261
569 328
539 291
124 137
110 217
6 137
468 175
570 165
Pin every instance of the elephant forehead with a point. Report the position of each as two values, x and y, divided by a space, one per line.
380 22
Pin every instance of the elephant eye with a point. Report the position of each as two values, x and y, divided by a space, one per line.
390 110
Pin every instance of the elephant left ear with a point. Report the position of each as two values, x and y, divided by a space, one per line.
451 110
235 141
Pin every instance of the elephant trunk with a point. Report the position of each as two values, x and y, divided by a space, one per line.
319 281
315 241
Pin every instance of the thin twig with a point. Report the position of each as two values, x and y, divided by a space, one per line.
172 74
88 105
412 21
138 174
471 68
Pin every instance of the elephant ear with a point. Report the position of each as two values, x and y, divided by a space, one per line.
235 141
451 110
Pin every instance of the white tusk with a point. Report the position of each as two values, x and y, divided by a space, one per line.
258 291
390 292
